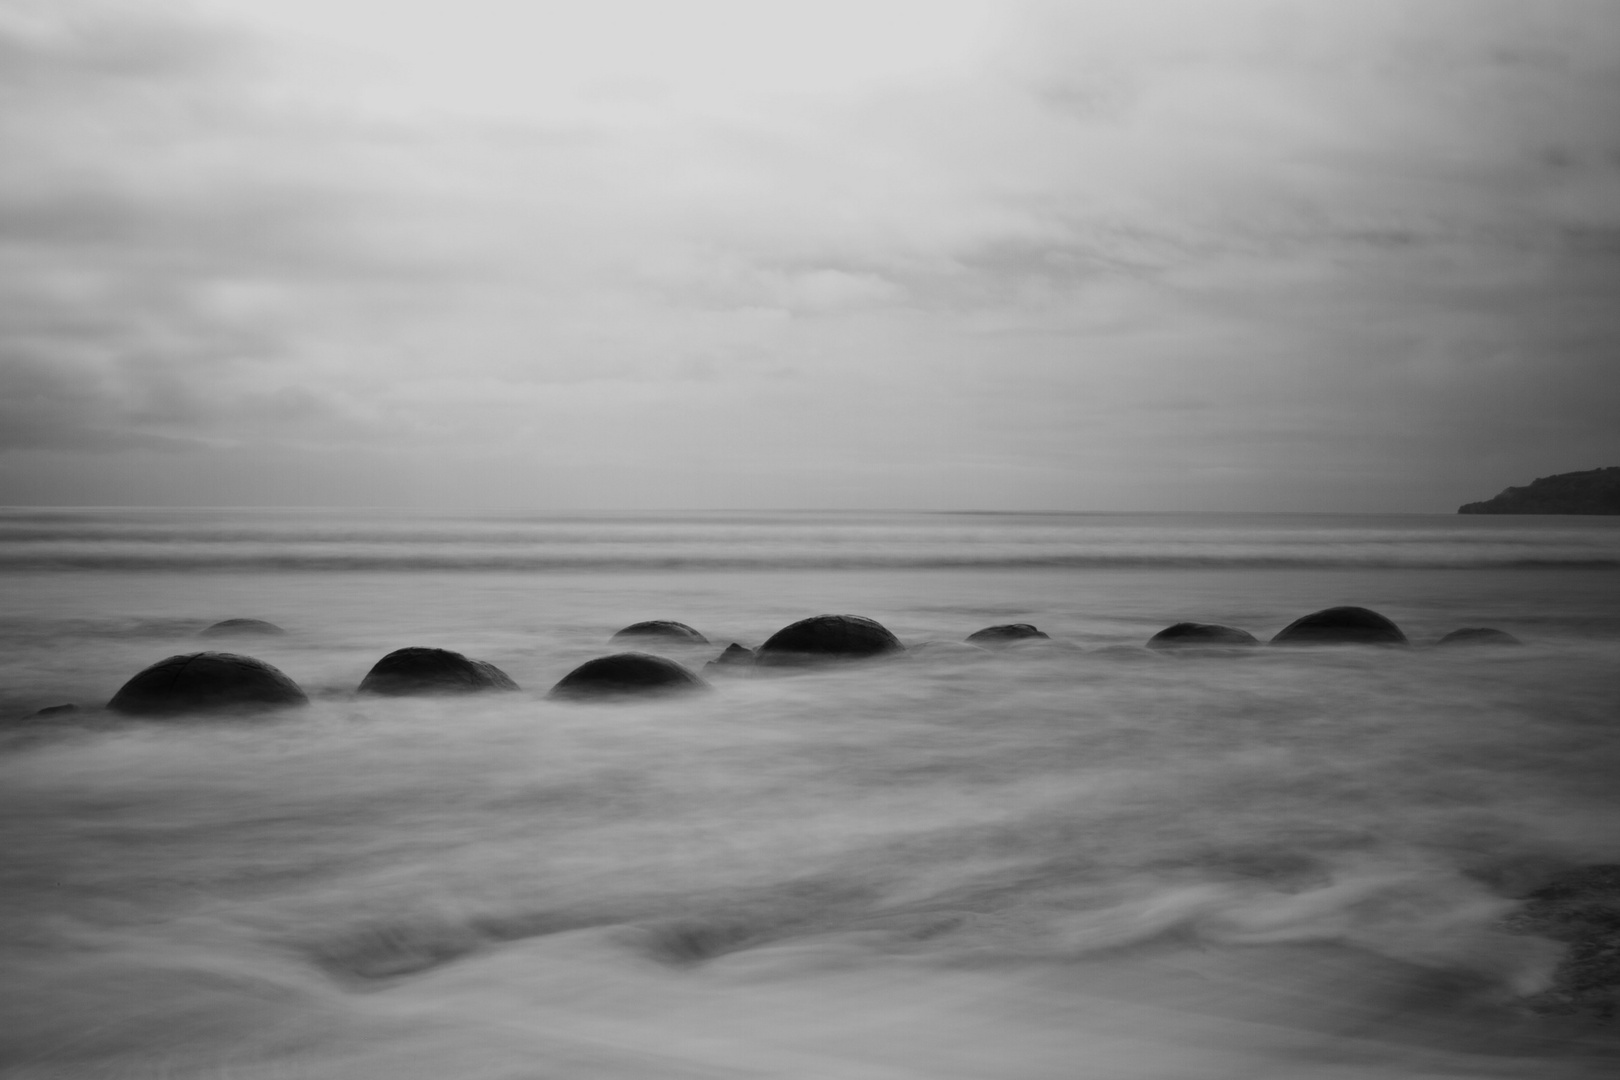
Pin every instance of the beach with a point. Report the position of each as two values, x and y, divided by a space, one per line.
1070 859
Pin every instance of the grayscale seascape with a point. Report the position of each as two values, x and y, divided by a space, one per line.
1058 860
1045 388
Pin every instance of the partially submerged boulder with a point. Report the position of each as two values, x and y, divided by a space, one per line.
1185 635
1479 635
416 670
206 682
1341 626
734 660
993 636
629 674
660 630
243 628
54 712
827 637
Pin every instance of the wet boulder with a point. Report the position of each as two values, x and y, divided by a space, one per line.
243 628
734 660
55 712
622 675
417 670
992 636
206 682
1191 635
654 630
824 638
1341 626
1478 635
51 722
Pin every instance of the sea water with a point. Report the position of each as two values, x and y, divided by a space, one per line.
1059 861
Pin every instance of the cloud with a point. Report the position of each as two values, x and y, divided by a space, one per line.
1121 255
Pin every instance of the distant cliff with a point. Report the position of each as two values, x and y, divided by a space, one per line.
1596 491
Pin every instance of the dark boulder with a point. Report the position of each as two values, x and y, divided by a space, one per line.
243 628
416 670
827 637
206 682
660 630
1478 635
630 674
1341 626
53 712
1184 635
992 636
1580 908
735 660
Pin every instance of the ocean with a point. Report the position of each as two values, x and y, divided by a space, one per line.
1064 861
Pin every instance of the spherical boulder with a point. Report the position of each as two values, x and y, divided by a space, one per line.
622 675
243 628
992 636
660 630
1478 635
206 682
1185 635
827 637
416 670
1341 626
734 660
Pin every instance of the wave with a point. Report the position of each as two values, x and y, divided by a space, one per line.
241 541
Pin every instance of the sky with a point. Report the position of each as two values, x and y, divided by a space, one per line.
1177 255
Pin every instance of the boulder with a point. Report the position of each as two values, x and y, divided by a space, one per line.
660 630
1581 908
629 674
827 637
1341 626
243 628
52 712
1184 635
992 636
206 682
1479 635
735 660
416 670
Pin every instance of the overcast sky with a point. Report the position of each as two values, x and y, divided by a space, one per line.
1110 255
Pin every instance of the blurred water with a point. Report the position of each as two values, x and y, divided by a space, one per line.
1047 863
309 539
